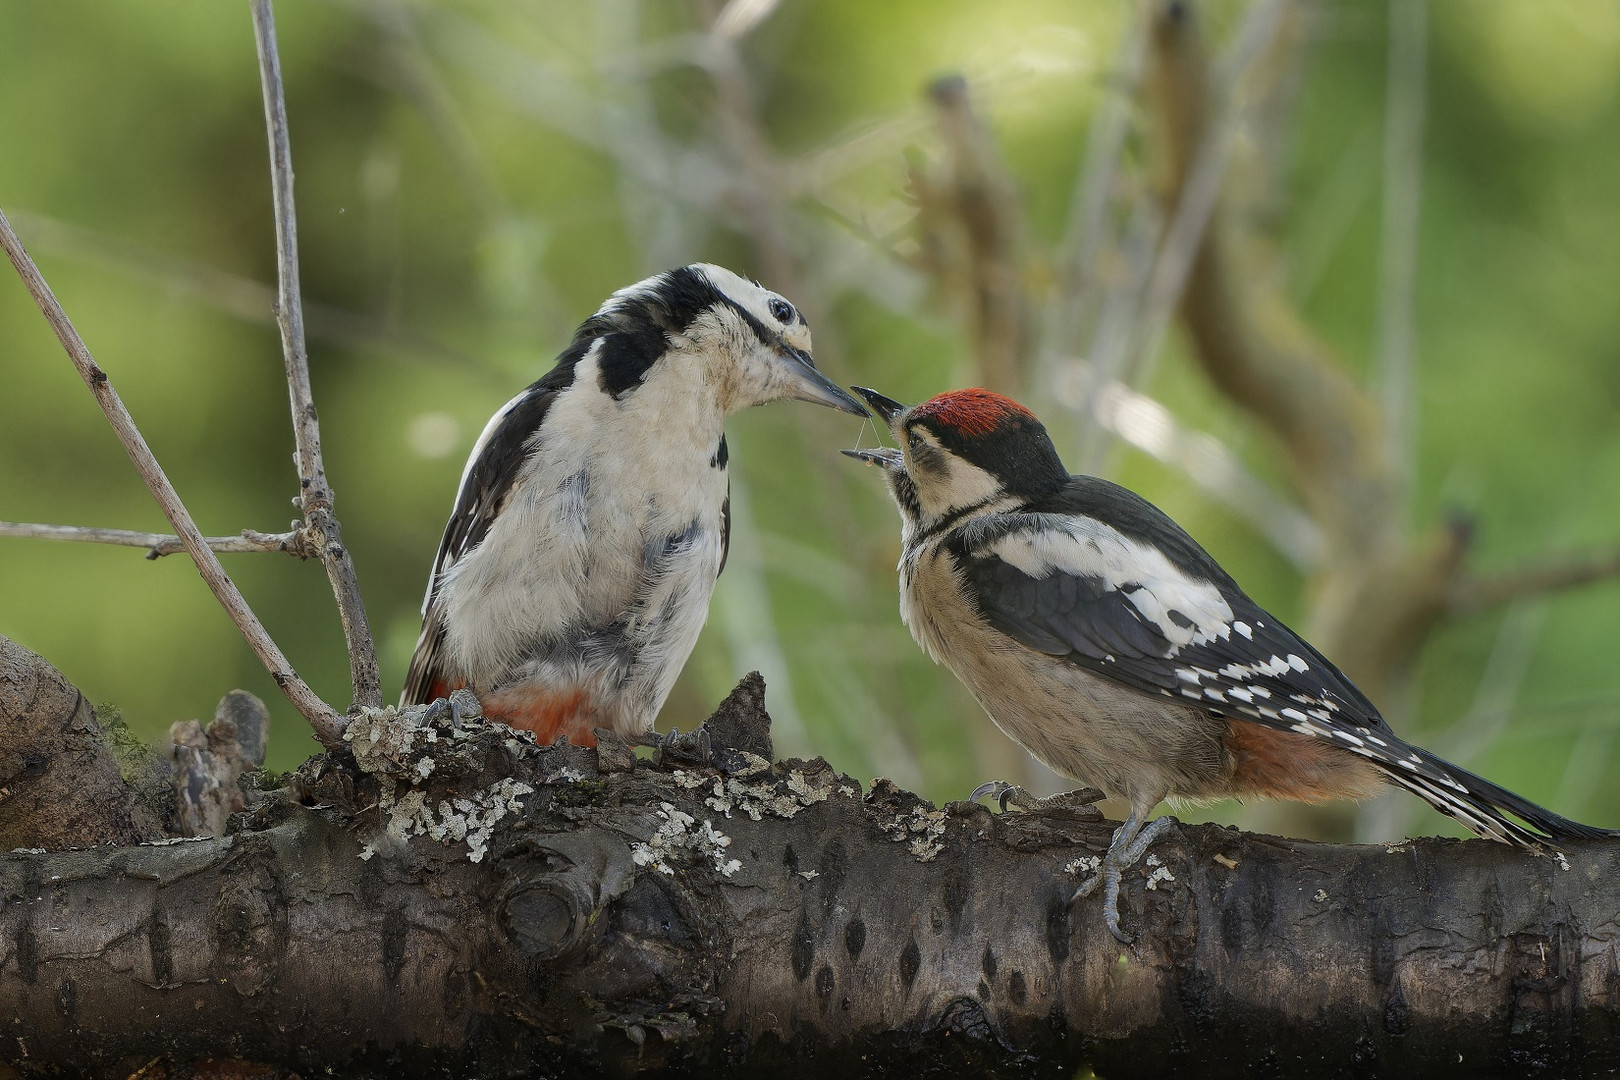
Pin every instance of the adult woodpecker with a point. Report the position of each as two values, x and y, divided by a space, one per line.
1100 637
594 513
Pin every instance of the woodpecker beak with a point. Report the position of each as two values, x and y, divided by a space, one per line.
884 457
886 408
808 384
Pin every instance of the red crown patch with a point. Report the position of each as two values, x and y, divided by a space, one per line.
973 412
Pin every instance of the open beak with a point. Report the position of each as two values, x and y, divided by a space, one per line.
808 384
886 408
884 457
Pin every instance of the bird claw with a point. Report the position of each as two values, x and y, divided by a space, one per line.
1011 795
1124 852
1004 792
464 705
459 705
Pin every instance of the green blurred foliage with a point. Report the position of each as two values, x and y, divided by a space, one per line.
474 178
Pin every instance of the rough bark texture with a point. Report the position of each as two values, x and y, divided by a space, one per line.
209 762
708 911
59 779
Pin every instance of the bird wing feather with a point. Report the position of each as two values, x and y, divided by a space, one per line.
1049 585
486 483
1156 627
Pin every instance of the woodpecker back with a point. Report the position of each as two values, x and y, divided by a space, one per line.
592 518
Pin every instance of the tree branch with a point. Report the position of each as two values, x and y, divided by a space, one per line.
315 494
1257 350
1483 592
160 544
970 228
1198 183
327 724
582 912
60 781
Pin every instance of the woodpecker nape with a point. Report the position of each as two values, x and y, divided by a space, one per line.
1103 639
593 517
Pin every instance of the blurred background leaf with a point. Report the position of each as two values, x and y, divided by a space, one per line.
475 177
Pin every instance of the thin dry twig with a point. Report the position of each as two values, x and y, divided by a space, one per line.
1089 234
240 297
315 494
160 544
327 724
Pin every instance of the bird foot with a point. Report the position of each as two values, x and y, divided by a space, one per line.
460 705
671 747
1124 852
464 705
1011 795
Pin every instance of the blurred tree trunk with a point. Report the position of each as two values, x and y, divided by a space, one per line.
635 915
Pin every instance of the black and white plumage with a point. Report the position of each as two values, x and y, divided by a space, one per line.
592 518
1101 637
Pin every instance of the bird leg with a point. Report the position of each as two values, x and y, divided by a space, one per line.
1130 843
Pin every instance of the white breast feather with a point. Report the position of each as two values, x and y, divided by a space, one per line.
560 556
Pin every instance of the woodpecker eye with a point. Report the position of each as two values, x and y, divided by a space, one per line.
914 440
781 310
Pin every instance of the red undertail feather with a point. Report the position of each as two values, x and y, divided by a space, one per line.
1276 764
439 688
551 714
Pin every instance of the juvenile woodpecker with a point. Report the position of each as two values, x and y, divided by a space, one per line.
594 513
1104 640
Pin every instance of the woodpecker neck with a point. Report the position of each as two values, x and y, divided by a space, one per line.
919 529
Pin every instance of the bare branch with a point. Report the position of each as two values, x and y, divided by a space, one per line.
864 928
1403 188
327 724
240 297
1080 255
1484 592
315 494
1144 423
161 544
1198 189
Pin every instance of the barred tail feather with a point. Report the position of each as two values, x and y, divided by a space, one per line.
1481 805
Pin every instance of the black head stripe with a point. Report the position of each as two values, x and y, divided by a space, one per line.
764 335
625 356
637 328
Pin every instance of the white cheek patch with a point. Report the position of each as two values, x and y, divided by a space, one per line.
960 485
1086 547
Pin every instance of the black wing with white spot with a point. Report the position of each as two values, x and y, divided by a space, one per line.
1145 606
1095 597
492 468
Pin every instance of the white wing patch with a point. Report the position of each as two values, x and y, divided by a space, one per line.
1086 547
